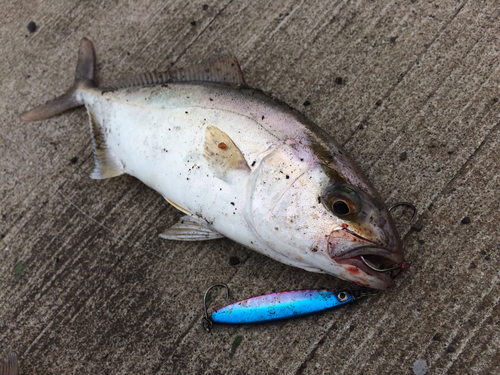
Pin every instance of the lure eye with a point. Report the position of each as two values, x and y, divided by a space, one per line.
342 296
342 201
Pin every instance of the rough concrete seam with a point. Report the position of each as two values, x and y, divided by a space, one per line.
404 74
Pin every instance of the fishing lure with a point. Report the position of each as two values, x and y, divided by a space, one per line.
280 306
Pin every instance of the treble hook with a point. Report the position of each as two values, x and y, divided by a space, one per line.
206 322
405 204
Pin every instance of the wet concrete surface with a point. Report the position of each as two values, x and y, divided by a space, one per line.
411 89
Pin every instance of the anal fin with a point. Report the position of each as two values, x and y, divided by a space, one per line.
106 164
189 228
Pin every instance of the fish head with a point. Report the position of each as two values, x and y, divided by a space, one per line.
322 221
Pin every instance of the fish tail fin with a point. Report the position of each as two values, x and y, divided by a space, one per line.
84 77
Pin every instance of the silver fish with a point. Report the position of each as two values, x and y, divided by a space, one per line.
239 164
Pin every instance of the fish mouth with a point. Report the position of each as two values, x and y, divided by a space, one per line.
373 263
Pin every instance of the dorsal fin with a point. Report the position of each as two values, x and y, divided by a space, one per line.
222 68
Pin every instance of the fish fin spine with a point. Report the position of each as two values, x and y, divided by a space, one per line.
84 78
190 228
222 68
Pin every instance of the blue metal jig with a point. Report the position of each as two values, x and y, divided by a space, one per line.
280 306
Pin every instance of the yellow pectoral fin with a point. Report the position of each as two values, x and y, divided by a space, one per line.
222 155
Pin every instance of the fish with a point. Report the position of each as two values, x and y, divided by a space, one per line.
239 164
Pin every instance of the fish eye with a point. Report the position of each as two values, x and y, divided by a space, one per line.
340 208
342 201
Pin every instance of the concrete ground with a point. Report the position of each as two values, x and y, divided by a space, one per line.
410 88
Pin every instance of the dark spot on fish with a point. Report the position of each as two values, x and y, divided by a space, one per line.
262 117
234 261
253 164
319 199
306 103
314 249
393 39
339 80
211 99
287 177
31 27
186 112
193 23
205 6
465 220
276 228
403 156
417 226
378 103
74 160
222 145
232 203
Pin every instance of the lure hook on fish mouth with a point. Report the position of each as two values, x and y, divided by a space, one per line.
401 266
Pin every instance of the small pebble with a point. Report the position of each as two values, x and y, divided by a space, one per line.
421 242
450 349
393 39
193 23
339 80
437 337
205 7
420 367
465 220
234 261
472 265
74 160
403 156
306 103
31 27
378 103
